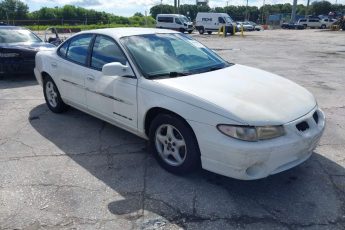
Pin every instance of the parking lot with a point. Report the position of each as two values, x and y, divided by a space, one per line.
66 171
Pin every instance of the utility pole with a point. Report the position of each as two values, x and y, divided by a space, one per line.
227 3
263 12
246 19
293 13
175 6
161 6
8 21
307 9
178 6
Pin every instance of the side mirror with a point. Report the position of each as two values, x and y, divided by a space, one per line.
117 69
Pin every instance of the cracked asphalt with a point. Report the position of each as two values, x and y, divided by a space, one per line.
73 171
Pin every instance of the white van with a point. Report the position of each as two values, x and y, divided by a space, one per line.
175 22
211 22
310 22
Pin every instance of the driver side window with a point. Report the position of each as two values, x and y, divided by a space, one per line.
105 51
221 20
178 21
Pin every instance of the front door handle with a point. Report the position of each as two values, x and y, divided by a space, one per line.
54 65
90 78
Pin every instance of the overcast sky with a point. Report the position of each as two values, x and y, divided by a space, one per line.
129 7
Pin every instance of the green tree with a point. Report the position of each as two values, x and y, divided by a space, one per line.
13 10
138 14
161 9
323 7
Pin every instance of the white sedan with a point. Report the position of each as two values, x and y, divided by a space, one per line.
195 108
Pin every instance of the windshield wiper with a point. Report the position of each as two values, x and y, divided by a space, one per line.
170 75
215 68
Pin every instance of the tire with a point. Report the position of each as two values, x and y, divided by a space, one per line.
201 30
190 31
182 30
323 26
174 145
52 96
209 32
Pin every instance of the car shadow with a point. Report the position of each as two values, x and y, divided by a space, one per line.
17 81
303 196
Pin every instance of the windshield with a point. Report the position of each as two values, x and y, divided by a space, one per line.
184 19
229 19
171 55
18 36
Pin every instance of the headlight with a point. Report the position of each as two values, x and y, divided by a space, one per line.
251 133
8 55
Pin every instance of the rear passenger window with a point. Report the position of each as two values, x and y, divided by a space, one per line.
78 48
166 19
105 50
63 49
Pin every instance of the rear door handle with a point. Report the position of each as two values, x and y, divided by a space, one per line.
54 65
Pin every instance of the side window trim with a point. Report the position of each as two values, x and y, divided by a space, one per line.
69 43
90 50
111 39
58 51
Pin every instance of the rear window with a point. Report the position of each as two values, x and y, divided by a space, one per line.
166 19
17 36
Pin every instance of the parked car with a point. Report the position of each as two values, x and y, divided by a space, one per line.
256 26
212 22
310 22
327 22
246 26
174 21
194 107
290 25
18 47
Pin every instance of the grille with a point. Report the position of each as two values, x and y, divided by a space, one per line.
302 126
316 117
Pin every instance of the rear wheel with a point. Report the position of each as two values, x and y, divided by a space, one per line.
52 96
173 144
323 26
201 30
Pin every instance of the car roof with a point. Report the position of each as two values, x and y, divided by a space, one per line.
127 31
172 15
11 27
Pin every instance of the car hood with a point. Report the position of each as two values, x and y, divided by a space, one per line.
244 94
37 46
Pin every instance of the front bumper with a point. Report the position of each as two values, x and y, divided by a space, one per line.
11 66
254 160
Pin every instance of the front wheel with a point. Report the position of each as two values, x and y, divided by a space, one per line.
323 26
173 144
52 96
